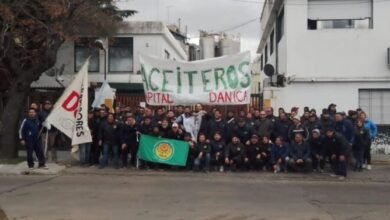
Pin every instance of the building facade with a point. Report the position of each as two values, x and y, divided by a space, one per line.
329 52
119 60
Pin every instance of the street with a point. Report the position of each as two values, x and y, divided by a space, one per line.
111 194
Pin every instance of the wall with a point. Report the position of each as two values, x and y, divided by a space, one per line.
319 95
337 52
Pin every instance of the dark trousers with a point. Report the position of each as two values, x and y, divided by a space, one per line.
305 166
318 163
95 153
133 149
258 163
31 147
339 166
358 153
367 154
124 156
218 161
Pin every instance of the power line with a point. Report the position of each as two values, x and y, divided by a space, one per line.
240 25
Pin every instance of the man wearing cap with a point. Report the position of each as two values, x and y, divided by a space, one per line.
49 135
175 133
317 150
299 154
337 150
243 130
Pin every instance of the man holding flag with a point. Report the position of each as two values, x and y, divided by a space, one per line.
70 113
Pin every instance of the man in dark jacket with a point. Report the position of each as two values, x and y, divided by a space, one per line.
281 127
317 150
129 140
298 127
344 127
361 141
109 136
28 135
263 126
48 136
299 154
202 161
326 120
313 123
242 130
146 127
255 159
175 133
218 147
337 150
96 149
235 153
217 124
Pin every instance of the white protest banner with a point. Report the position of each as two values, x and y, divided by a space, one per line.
219 81
70 113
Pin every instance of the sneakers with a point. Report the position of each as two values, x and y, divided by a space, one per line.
342 178
43 167
221 169
364 166
368 167
31 168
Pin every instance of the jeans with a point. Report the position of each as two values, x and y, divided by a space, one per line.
358 153
106 153
367 154
203 162
31 147
85 153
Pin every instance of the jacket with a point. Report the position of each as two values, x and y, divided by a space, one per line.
129 134
317 146
218 146
362 138
372 128
278 152
29 130
214 126
281 128
345 128
203 147
233 150
109 133
337 145
299 151
252 150
263 127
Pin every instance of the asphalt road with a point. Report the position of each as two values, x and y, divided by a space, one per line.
193 196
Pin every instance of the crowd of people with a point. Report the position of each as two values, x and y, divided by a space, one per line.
257 139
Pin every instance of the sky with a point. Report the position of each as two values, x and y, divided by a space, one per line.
208 15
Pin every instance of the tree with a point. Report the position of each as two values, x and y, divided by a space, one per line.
31 33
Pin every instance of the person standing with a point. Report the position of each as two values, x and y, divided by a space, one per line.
217 124
29 137
373 131
317 150
129 139
362 139
85 149
48 136
108 138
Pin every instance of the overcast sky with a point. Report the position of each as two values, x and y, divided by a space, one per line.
209 15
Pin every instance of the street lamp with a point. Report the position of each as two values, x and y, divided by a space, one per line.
99 44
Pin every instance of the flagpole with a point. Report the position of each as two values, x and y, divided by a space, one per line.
46 140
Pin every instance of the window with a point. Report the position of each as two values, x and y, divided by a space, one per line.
83 48
120 55
280 26
346 14
266 54
271 43
339 24
375 103
261 62
166 55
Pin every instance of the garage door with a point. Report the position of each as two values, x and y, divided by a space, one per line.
376 102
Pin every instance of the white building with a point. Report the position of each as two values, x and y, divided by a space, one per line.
122 63
330 52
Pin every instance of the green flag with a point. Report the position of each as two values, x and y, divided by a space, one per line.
161 150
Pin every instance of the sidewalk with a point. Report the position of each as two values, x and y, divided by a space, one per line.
22 169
